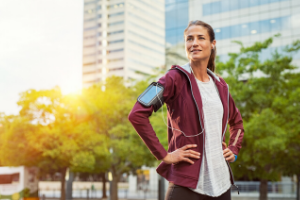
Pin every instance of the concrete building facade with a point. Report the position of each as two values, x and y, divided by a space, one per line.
122 37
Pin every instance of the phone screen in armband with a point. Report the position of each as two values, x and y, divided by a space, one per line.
152 95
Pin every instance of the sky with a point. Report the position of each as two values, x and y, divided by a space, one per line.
40 48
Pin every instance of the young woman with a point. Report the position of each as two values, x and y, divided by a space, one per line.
199 107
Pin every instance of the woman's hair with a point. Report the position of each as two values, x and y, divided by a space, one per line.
211 33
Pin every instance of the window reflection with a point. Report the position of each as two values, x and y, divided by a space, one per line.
176 20
229 5
252 28
234 4
264 54
225 5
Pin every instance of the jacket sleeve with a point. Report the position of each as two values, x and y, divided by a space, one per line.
236 127
139 116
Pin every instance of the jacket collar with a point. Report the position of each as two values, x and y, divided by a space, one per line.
187 68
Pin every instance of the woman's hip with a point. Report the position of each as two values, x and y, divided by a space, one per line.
176 192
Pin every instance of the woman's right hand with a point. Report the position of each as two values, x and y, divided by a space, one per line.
182 154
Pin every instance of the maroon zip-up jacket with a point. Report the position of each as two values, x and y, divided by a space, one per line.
184 104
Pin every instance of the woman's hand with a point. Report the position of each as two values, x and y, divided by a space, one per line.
227 153
182 154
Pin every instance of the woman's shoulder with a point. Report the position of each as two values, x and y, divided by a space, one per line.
173 76
174 72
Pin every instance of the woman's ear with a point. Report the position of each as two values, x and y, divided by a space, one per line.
213 44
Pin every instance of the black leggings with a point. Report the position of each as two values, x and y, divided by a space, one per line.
176 192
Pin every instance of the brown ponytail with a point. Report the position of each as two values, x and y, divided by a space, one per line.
211 33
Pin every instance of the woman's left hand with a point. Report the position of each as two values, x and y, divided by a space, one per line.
227 153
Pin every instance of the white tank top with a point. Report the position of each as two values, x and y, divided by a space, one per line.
214 177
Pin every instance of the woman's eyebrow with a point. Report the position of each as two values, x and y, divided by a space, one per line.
192 35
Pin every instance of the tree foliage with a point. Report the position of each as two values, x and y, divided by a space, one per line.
266 93
86 133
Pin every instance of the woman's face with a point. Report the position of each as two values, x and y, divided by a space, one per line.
197 43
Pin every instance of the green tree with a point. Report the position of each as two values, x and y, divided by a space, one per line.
288 106
107 112
15 133
61 136
255 84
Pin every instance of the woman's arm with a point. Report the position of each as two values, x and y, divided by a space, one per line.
139 117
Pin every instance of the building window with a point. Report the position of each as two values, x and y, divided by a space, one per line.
115 41
157 34
116 69
115 50
229 5
91 2
252 28
141 63
91 72
115 32
114 60
146 38
146 47
90 63
94 27
93 19
90 54
115 23
144 12
146 21
116 14
90 45
90 11
119 5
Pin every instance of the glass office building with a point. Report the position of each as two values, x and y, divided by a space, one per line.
247 21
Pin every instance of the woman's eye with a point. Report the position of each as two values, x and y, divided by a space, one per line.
189 39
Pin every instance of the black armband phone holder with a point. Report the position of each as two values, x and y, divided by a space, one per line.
152 96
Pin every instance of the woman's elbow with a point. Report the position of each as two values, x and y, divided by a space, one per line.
131 116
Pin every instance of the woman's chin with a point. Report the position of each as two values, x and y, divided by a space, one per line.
196 59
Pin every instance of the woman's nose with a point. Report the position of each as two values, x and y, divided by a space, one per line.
195 43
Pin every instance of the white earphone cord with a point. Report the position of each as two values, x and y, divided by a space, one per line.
162 112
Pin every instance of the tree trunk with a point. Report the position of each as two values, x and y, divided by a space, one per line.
63 184
263 190
103 185
298 187
114 186
69 186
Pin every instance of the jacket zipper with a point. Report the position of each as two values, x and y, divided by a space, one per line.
198 115
231 174
193 97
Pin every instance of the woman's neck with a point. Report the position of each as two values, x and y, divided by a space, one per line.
199 69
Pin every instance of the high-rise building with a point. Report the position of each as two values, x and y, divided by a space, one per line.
122 37
247 21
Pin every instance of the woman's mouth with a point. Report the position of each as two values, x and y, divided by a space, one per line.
196 50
